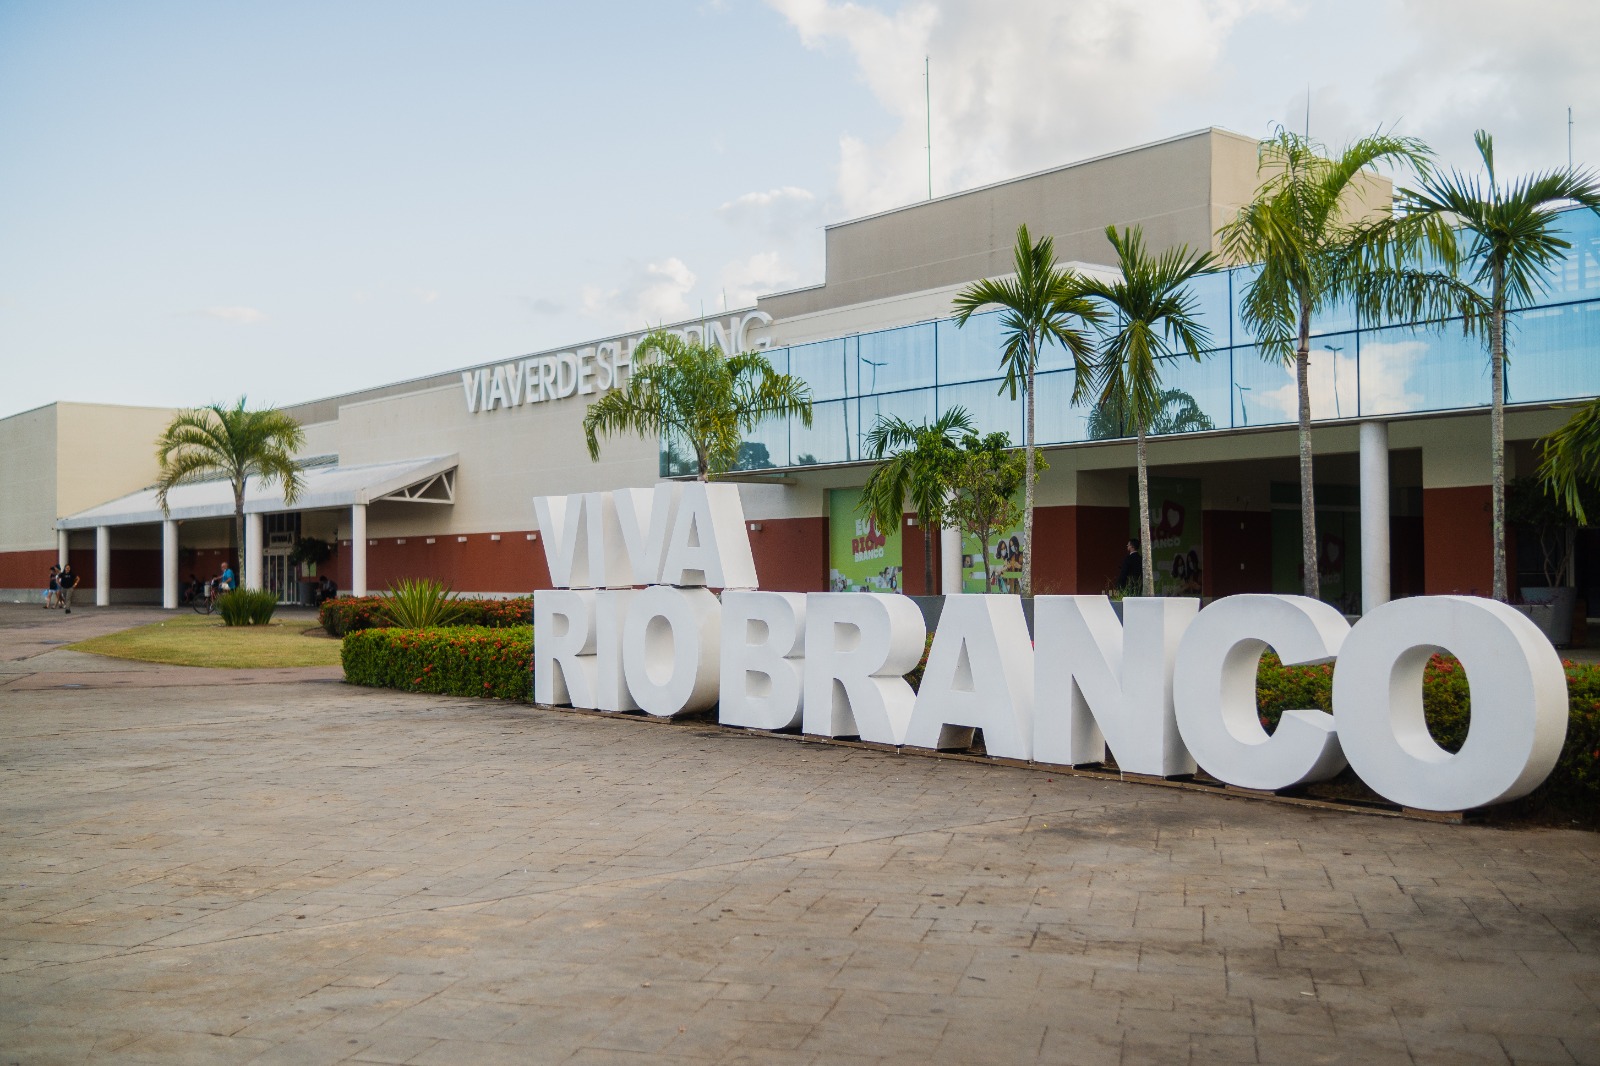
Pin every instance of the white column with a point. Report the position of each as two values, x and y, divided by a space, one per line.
251 564
1374 515
169 564
61 547
102 566
358 549
949 560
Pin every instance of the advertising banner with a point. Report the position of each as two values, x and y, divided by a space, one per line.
860 557
1177 553
1005 559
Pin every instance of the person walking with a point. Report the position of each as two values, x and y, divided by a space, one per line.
52 589
1131 577
67 581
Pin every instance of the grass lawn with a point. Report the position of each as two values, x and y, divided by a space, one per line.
205 641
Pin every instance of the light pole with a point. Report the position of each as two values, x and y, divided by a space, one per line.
1336 352
1243 410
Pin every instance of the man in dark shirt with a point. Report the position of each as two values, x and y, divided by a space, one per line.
1131 577
68 582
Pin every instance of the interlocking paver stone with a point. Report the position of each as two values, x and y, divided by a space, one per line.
271 868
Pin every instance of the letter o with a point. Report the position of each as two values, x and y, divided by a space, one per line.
1519 702
671 651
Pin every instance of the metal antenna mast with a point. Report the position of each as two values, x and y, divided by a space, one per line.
1569 139
927 104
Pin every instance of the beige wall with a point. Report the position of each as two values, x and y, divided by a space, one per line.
507 456
1178 190
28 474
106 452
66 457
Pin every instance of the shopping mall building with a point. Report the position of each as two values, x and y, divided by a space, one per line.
436 476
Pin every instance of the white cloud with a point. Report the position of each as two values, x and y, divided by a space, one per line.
1475 64
425 296
243 316
652 294
759 275
1384 376
1048 83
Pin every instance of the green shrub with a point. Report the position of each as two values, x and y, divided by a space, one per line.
247 607
456 661
351 614
1574 785
915 676
420 603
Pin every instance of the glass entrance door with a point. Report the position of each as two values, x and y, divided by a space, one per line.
281 577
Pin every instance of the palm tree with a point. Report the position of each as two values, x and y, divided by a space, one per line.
1156 318
692 390
1512 247
1040 302
233 443
1570 460
1178 412
1318 245
919 470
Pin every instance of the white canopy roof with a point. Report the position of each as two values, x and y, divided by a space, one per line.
429 480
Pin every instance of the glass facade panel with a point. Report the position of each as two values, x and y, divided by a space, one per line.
822 366
970 352
990 412
766 447
1212 306
1264 392
920 370
1554 353
1241 278
1405 369
830 438
894 360
1577 275
1055 419
915 406
1197 394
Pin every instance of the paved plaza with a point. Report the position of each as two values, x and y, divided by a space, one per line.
273 867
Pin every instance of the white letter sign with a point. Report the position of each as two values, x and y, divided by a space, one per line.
1519 703
1214 690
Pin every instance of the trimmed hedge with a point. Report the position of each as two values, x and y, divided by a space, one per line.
352 614
496 662
1573 786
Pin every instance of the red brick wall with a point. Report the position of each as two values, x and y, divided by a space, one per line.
1055 550
792 554
480 564
912 563
1456 541
1102 543
1407 569
27 569
1238 552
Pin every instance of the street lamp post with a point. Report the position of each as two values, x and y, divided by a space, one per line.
1336 352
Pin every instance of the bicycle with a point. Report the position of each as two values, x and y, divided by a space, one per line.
206 602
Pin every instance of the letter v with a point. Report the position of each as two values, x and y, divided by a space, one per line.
561 528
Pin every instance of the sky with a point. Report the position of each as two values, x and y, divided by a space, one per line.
202 200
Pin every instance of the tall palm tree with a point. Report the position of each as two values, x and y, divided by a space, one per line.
1318 245
920 470
1511 248
235 443
1040 302
1156 318
696 392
